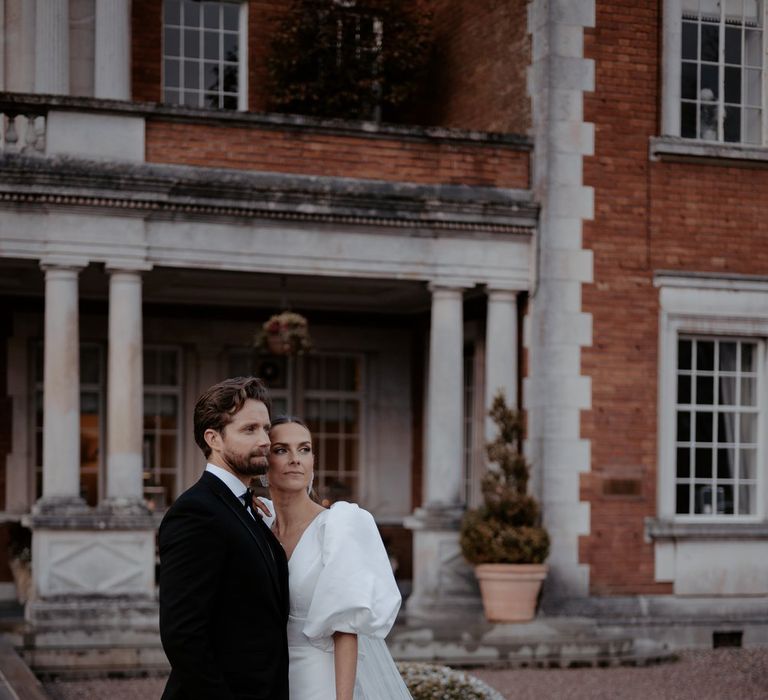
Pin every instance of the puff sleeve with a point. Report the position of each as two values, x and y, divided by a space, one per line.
356 590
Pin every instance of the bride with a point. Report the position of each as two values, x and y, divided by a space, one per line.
343 595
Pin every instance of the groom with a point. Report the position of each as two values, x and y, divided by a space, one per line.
223 575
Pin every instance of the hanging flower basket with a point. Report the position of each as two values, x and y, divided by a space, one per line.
286 333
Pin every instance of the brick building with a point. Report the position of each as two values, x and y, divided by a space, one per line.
575 219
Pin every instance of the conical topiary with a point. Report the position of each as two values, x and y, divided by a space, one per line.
507 528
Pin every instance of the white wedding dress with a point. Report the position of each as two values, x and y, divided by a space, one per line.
340 580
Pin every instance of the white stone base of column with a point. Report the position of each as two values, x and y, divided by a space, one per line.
444 584
88 634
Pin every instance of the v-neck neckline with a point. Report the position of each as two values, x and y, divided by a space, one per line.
304 532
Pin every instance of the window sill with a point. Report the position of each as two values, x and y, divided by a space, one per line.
658 529
673 148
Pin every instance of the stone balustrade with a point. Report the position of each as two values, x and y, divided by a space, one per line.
22 133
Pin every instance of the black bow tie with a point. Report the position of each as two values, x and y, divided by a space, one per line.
248 499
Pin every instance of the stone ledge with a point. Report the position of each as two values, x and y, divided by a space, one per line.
659 529
673 148
29 103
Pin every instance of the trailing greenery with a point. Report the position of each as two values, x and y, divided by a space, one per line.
506 529
432 682
354 59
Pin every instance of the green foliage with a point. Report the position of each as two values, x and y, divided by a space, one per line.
506 529
432 682
355 59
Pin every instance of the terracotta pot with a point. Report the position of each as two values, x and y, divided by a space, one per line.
510 591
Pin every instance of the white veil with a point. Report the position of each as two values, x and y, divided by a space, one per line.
377 675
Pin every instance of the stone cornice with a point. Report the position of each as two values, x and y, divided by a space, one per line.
31 103
160 190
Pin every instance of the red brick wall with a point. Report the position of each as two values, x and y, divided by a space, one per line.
623 302
482 52
313 153
146 54
648 217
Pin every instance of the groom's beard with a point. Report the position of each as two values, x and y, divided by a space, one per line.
250 464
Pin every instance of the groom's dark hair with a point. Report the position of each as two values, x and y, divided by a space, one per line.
217 406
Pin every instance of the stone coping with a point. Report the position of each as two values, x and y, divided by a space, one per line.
674 148
661 529
31 103
141 187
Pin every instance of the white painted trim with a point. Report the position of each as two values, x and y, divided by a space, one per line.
709 311
242 68
671 68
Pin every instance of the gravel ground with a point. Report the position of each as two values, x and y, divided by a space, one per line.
722 674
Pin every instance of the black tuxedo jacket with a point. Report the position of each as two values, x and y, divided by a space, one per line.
223 599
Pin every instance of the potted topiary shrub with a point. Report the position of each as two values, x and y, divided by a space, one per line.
504 537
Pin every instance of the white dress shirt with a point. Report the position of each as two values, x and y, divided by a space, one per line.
233 483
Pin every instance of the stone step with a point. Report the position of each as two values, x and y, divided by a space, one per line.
551 642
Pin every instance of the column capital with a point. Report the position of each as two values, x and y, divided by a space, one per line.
502 293
450 285
73 263
130 266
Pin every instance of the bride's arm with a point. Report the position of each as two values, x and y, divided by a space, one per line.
345 664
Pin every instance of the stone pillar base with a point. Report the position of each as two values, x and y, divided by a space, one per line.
444 584
93 604
78 635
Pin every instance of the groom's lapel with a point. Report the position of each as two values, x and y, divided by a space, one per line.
229 499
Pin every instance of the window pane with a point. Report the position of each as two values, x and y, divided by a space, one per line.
349 379
748 463
748 428
710 83
279 406
211 15
683 463
684 354
703 463
351 417
168 368
705 355
683 389
705 390
733 45
708 121
167 451
753 87
702 499
748 357
688 120
231 16
191 43
172 45
732 126
351 454
191 13
710 42
274 372
211 46
688 81
683 495
749 392
732 85
726 463
172 74
747 499
172 12
726 427
704 427
230 47
332 413
168 412
683 426
727 356
724 496
211 79
230 102
690 40
753 47
727 391
191 76
752 126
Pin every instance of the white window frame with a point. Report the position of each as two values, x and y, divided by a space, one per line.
242 75
707 306
672 72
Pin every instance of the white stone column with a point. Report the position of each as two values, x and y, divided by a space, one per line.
52 47
445 421
61 385
443 584
112 78
125 388
500 351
